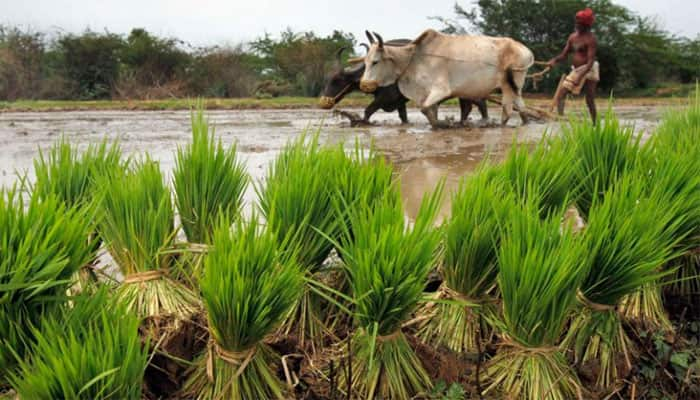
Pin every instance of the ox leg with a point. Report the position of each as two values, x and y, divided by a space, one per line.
371 109
402 113
431 114
520 105
507 109
465 108
430 107
483 109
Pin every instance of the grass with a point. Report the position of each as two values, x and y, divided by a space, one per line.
42 245
540 268
91 350
387 264
209 182
249 286
469 268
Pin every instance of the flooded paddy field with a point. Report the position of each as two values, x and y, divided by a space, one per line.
421 156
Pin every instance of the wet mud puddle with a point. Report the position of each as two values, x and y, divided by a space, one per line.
421 156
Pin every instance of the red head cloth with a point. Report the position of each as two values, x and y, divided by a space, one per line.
585 17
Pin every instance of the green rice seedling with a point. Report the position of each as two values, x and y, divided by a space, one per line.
91 350
677 138
603 152
297 202
209 181
630 233
469 268
42 245
250 283
540 268
676 177
138 227
552 168
387 265
71 176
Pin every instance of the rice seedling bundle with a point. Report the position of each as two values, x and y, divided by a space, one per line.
250 283
297 202
138 228
551 168
209 181
469 268
676 179
630 233
540 269
678 138
71 177
42 244
603 152
91 350
387 266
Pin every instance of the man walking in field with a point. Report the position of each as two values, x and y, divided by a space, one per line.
585 72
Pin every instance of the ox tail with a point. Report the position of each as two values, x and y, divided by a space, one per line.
511 80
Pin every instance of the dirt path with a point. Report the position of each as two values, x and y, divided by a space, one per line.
422 156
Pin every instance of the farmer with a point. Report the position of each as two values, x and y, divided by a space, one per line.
585 72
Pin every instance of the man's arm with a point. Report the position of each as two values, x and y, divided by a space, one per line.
562 56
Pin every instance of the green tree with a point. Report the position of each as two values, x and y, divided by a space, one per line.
153 60
302 59
91 61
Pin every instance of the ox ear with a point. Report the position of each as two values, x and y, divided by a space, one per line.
369 37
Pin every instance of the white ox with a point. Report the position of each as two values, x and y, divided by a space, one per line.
435 67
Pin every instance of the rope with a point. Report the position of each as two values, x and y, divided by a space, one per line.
391 336
543 350
145 276
239 359
592 305
459 296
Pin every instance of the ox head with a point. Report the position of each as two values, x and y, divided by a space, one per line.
341 82
380 66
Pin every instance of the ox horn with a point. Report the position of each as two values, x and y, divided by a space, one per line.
339 54
380 40
370 37
366 46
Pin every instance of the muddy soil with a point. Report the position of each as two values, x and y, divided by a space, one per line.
421 155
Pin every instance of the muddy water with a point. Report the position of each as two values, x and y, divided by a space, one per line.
420 155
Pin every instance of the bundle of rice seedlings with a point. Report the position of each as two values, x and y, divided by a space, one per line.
630 233
387 265
676 178
91 350
603 152
540 268
138 226
678 138
297 202
42 245
551 167
249 285
209 181
69 175
469 267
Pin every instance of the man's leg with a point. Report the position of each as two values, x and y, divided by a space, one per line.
590 89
